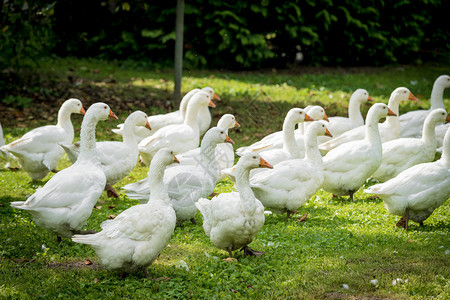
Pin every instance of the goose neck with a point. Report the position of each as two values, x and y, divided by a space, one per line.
446 151
129 137
245 192
156 181
312 151
437 96
289 142
191 114
88 149
429 132
372 130
64 120
354 111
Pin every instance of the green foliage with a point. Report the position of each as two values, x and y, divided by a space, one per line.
25 31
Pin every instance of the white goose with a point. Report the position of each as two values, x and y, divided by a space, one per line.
275 139
416 192
411 123
232 220
117 159
348 166
179 137
389 129
38 151
403 153
177 117
224 152
292 182
187 183
135 238
65 202
291 148
339 125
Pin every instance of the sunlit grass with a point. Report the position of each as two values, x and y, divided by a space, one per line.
336 253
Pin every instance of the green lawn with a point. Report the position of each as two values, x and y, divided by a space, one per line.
344 250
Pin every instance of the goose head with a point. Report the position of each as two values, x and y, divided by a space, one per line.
361 96
139 118
73 106
316 112
100 111
252 161
211 93
165 156
298 115
318 128
401 94
378 111
217 135
438 115
442 81
201 99
228 121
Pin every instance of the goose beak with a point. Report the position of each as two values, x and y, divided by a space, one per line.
82 111
447 119
264 164
229 140
236 124
175 160
308 118
211 104
391 113
325 117
216 97
412 97
369 99
147 125
327 133
112 116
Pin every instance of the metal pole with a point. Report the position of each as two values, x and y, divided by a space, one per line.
178 64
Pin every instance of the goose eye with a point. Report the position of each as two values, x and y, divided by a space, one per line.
301 112
105 107
221 132
254 157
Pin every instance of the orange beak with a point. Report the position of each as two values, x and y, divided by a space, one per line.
447 119
308 118
412 97
216 97
264 164
211 104
369 98
325 117
391 113
327 133
112 115
82 111
148 126
236 124
175 160
229 140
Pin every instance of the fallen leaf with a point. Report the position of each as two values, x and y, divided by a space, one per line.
303 218
234 291
96 280
98 207
165 279
111 217
111 206
88 262
230 259
410 241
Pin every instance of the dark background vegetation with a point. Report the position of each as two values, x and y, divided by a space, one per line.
229 34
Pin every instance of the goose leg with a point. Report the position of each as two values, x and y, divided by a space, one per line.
55 171
421 223
146 272
289 213
110 191
193 221
58 239
230 253
123 275
403 222
248 251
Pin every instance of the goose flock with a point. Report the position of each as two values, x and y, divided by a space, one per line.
280 173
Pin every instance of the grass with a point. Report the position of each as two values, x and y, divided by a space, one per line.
335 253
